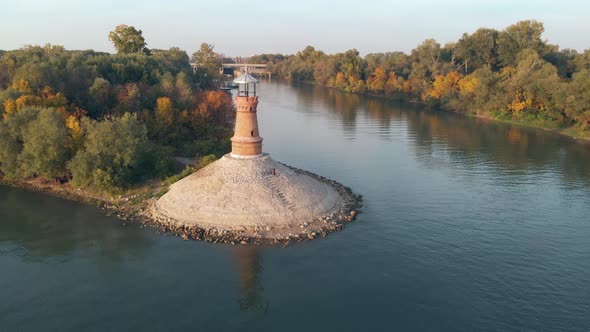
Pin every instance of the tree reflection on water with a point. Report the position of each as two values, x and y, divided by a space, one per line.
39 227
438 136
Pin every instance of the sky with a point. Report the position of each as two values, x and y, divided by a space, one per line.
243 28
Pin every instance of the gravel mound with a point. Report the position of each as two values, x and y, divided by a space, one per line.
240 194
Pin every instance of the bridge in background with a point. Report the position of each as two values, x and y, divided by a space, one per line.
236 69
240 68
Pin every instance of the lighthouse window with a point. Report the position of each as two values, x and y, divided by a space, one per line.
252 133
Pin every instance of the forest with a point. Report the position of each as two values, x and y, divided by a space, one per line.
511 75
107 121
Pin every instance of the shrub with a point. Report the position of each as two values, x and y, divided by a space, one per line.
188 170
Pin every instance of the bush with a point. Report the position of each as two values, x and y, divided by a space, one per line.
188 170
157 161
211 145
206 160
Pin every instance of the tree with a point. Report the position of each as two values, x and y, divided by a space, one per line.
376 83
127 39
77 83
206 57
353 65
532 85
45 151
100 95
443 85
477 50
426 58
564 60
520 36
11 141
174 58
74 126
208 63
184 91
9 108
394 84
33 76
577 98
582 61
111 154
129 98
165 114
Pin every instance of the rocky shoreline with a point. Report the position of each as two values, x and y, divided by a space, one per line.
138 207
319 227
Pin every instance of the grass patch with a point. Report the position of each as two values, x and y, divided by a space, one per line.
188 170
576 131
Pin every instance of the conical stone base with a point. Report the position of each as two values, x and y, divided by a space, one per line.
238 194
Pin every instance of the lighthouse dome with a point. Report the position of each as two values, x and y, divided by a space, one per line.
245 79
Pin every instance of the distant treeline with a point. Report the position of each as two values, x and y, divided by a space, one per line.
105 120
511 75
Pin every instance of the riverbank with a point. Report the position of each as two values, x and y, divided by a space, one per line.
574 132
136 205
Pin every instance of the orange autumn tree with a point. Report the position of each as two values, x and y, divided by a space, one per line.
376 83
394 84
468 84
76 134
9 108
165 111
521 100
46 99
22 86
443 85
216 105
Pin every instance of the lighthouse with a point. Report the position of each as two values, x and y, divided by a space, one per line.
246 142
246 196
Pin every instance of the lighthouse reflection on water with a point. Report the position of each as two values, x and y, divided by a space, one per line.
249 265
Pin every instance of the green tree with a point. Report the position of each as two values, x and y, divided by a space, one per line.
100 94
582 61
477 50
353 65
398 62
206 57
532 86
208 63
520 36
564 60
111 154
45 151
576 98
11 141
426 59
127 39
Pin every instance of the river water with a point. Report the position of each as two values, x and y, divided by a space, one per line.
467 225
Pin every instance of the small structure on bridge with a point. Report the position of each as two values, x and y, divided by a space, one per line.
246 196
238 69
254 69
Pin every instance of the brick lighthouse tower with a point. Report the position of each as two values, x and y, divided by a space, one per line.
246 142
